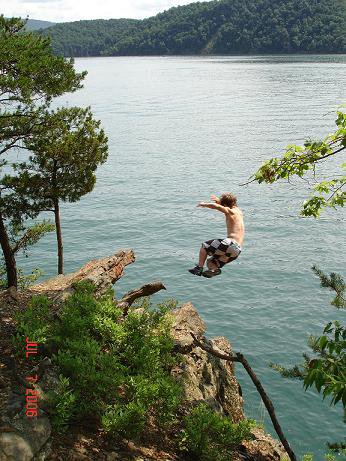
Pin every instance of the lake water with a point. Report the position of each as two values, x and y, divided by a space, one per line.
180 129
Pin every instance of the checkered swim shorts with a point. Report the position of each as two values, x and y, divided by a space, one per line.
222 251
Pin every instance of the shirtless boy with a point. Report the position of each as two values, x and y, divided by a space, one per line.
222 251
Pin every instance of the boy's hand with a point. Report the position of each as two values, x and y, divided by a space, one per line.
215 199
201 204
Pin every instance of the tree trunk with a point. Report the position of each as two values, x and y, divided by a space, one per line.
10 262
59 237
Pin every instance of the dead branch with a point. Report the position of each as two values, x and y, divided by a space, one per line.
210 350
146 290
266 400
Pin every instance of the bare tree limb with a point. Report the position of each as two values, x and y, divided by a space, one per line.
146 290
266 400
343 184
210 350
250 181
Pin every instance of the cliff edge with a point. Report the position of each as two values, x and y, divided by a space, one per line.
206 378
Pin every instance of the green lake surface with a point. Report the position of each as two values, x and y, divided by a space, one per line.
180 129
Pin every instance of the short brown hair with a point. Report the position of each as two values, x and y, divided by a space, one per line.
228 199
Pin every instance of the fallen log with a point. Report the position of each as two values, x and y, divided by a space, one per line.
102 273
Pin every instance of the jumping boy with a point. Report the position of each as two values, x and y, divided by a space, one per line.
222 251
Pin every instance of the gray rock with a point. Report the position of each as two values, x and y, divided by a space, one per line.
263 447
14 405
35 430
206 378
44 453
186 320
13 447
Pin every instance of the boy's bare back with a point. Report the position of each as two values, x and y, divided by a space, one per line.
235 224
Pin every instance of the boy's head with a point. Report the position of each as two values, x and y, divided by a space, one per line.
228 200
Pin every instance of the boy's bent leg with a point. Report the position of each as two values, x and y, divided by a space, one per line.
202 256
198 269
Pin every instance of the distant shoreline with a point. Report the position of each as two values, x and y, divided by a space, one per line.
208 55
211 28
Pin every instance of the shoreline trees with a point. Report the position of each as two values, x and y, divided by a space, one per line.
31 76
214 27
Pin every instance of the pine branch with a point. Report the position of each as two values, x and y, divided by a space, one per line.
335 283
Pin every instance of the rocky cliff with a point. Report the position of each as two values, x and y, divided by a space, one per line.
206 379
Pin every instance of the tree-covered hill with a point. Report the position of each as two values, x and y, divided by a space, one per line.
217 27
89 37
36 24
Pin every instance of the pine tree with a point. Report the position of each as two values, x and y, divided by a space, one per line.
31 76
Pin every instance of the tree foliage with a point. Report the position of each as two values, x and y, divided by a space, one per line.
303 160
64 155
69 140
217 27
325 369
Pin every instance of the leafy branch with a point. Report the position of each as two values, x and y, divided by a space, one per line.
301 160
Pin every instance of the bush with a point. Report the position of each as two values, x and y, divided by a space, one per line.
24 280
126 420
210 437
114 368
63 404
35 323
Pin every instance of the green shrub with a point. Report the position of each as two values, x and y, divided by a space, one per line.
117 369
24 280
208 436
35 323
63 405
127 420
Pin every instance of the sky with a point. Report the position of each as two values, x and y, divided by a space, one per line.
74 10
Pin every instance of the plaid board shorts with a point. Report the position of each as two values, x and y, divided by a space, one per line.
222 251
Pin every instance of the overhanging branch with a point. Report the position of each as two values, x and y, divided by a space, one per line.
146 290
266 400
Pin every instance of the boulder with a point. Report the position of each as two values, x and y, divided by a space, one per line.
262 448
206 378
14 447
24 438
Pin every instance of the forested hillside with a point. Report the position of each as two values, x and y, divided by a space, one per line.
89 38
217 27
36 24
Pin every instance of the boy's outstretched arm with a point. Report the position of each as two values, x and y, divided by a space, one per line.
214 206
215 199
